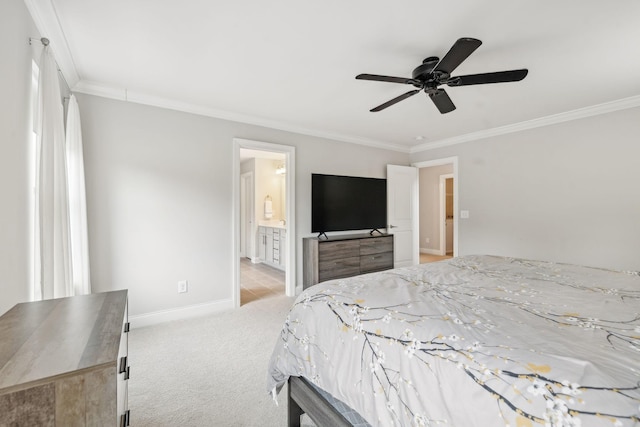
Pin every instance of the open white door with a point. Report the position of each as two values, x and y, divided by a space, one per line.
402 213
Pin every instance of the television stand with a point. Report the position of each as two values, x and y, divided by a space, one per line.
342 256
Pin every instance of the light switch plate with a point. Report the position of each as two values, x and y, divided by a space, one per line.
183 286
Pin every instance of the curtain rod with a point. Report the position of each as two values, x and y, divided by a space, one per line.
45 42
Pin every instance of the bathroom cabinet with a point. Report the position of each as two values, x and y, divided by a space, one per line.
272 246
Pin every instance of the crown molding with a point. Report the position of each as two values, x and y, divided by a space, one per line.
581 113
91 88
46 19
96 89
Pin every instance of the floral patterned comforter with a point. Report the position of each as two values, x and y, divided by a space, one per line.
472 341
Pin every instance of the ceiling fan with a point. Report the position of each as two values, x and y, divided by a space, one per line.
434 72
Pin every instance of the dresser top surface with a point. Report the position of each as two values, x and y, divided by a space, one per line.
340 237
43 339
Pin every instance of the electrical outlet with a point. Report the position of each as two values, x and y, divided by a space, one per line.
183 286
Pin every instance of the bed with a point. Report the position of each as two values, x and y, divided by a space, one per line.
471 341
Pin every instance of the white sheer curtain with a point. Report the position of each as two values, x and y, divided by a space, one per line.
77 202
53 272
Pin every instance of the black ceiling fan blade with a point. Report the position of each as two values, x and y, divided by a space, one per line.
389 79
485 78
394 100
442 101
460 51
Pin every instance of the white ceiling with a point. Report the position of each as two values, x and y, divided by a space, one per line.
290 64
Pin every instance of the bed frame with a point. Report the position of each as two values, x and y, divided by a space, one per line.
303 398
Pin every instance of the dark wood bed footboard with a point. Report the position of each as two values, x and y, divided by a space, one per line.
303 398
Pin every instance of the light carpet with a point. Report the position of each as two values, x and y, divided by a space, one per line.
208 371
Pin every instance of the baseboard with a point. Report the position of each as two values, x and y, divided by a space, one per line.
429 251
156 317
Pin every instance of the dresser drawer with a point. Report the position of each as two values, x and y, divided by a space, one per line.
338 250
344 256
376 245
335 269
376 262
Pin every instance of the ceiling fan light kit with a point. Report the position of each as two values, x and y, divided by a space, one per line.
434 72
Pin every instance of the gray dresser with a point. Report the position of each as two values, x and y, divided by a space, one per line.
63 362
344 256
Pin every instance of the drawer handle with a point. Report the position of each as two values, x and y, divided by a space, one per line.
123 365
127 327
124 419
127 373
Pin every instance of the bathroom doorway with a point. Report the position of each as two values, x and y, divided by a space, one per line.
264 264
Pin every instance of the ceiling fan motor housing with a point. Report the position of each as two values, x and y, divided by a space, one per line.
426 78
422 71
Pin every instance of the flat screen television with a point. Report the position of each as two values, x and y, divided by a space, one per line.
342 203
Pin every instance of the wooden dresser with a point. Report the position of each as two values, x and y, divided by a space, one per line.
344 256
63 362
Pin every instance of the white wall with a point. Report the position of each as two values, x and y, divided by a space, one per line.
568 192
159 191
16 26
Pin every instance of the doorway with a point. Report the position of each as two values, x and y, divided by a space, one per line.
438 222
261 167
447 230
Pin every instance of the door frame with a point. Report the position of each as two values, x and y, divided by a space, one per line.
247 202
290 164
456 184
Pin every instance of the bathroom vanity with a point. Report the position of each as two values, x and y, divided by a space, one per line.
272 244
